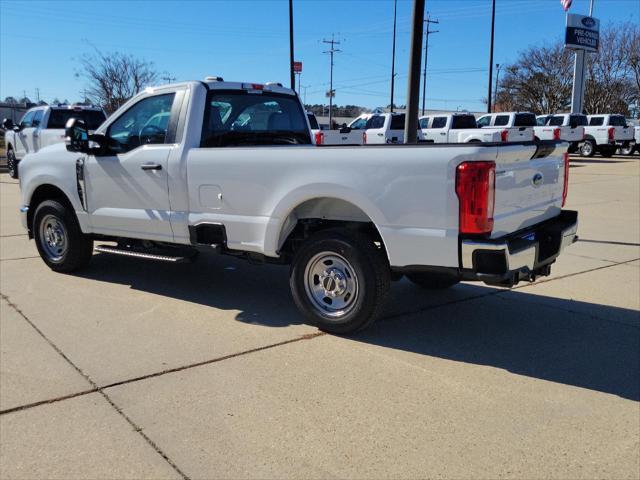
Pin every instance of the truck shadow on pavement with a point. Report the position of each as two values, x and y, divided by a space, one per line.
570 342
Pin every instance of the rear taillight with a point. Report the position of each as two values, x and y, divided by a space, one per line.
565 189
475 187
556 134
364 138
319 138
504 135
612 133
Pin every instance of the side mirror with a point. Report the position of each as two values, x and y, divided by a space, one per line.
8 124
76 135
344 128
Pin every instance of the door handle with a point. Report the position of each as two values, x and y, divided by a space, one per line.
151 166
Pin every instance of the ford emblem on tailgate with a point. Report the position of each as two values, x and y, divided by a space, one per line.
537 180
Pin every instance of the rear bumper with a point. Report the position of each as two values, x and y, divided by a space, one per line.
522 256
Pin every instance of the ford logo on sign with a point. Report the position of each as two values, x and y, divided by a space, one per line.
588 22
537 180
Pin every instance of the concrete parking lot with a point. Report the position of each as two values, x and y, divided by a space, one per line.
134 369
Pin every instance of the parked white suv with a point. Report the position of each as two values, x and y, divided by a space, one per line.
43 126
234 170
519 125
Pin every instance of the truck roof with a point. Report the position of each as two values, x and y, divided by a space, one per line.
217 83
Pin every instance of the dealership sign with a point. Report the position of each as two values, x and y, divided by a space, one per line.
583 33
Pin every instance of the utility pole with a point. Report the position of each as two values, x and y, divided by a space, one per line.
167 78
293 78
304 95
331 51
393 55
495 94
413 85
493 25
428 32
37 95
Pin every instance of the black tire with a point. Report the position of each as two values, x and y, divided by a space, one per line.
432 280
60 242
361 269
628 150
12 163
588 148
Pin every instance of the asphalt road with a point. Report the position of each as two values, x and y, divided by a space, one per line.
134 369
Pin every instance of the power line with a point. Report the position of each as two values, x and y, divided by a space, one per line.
331 52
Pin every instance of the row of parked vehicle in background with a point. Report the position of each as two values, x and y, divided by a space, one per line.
43 126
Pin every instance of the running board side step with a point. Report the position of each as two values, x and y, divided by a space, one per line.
144 255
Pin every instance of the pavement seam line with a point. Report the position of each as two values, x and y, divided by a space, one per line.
97 389
19 258
14 235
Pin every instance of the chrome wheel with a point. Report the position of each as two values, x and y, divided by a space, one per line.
53 238
587 149
331 284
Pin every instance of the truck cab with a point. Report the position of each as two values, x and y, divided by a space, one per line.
457 128
519 125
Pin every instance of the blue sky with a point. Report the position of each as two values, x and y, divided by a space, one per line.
40 42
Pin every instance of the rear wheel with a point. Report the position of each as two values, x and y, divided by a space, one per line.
588 148
12 163
340 280
60 242
628 149
432 280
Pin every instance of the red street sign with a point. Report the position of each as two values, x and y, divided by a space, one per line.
297 67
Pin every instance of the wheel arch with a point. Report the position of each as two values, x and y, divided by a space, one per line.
42 193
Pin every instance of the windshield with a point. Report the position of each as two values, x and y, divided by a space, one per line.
578 120
58 118
525 120
542 120
461 122
237 117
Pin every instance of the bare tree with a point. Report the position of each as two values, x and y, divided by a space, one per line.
113 78
541 79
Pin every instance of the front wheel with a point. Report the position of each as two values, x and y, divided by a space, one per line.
340 281
60 242
12 163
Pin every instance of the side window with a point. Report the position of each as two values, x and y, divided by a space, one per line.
424 122
556 121
27 119
377 121
484 121
501 120
145 122
596 121
37 118
358 124
540 121
439 122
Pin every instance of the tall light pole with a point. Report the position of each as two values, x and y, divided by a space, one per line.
413 84
393 55
493 25
293 77
428 32
495 92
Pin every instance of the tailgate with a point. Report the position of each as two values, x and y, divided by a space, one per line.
529 185
569 134
623 133
520 134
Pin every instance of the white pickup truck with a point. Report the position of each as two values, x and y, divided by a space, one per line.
634 145
235 170
568 127
605 134
385 128
518 125
457 128
43 126
342 136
